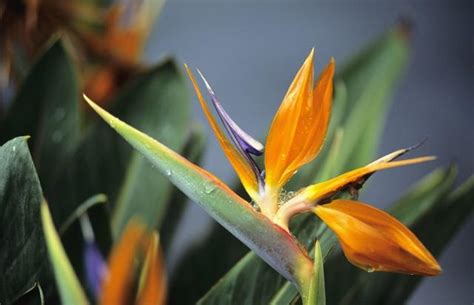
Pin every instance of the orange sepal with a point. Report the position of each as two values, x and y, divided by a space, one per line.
240 165
116 288
299 126
375 241
321 190
153 290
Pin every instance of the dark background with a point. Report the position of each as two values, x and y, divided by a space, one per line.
250 51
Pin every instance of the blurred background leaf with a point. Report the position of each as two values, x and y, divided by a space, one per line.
46 107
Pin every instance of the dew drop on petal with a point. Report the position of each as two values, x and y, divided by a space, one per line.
255 205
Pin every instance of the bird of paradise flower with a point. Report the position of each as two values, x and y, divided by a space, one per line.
370 238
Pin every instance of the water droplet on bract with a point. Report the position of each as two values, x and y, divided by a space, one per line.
284 196
255 206
57 136
59 114
169 172
14 148
209 187
370 270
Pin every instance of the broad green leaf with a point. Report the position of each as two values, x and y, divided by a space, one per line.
46 108
21 238
364 83
317 293
69 287
221 251
157 102
370 84
361 287
268 240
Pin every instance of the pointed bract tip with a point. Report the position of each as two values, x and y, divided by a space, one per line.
419 144
89 101
206 83
310 57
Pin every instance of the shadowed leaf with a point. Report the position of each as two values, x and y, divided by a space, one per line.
21 238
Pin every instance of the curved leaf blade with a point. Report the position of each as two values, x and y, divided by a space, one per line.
70 289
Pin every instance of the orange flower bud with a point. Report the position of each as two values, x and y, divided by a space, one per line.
375 241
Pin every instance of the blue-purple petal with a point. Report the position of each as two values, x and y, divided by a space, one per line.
245 141
95 267
246 144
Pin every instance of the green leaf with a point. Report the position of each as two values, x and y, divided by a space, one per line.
193 151
69 287
268 240
317 293
370 81
46 108
221 250
359 287
157 102
21 237
251 281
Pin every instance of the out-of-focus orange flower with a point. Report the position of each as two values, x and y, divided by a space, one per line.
377 242
119 46
117 285
107 41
